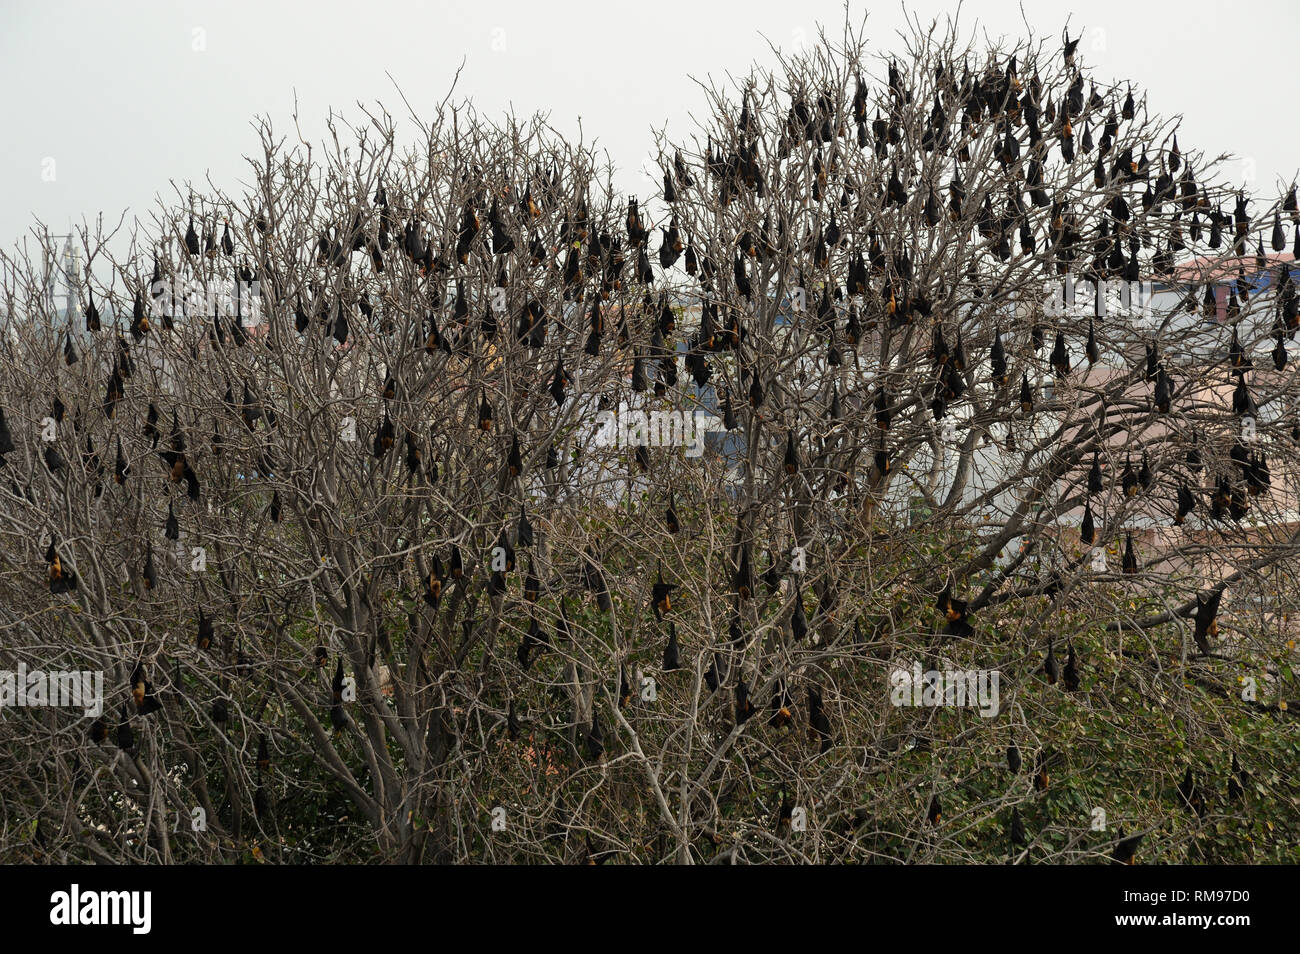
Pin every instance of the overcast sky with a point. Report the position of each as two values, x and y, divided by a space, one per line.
125 96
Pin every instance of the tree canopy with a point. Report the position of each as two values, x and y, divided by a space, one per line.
440 503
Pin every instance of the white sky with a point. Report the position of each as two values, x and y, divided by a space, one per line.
117 95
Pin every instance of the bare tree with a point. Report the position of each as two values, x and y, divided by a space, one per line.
383 516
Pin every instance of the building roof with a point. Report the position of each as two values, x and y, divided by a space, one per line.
1215 268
